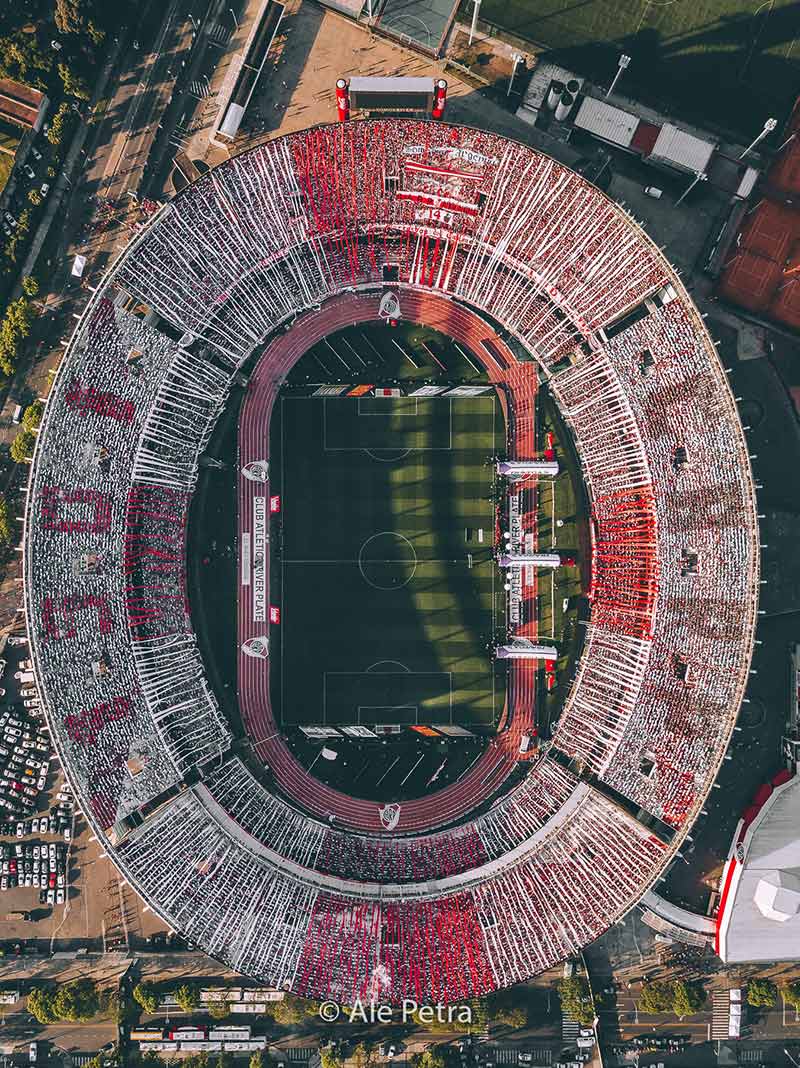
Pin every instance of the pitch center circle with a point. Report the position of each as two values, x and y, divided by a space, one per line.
387 561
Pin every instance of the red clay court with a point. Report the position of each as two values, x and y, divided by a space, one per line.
762 272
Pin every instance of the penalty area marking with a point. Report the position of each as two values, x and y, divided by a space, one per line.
372 450
404 678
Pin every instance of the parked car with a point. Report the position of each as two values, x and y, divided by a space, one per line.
36 153
45 189
31 173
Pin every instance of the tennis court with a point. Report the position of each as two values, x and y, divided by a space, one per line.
388 590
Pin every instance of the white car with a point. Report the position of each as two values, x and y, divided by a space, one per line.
67 834
31 173
31 703
17 640
45 189
36 153
60 896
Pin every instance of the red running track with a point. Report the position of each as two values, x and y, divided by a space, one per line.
496 763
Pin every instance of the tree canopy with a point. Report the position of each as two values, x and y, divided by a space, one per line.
656 997
187 996
576 1000
687 998
144 994
14 327
6 530
790 993
761 993
22 446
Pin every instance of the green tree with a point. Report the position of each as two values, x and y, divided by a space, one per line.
74 85
187 997
224 1060
656 997
195 1060
58 124
32 416
30 286
431 1058
40 1004
790 992
761 993
144 994
15 325
22 446
78 1000
507 1008
687 998
69 16
18 240
6 532
257 1059
363 1054
218 1010
576 1000
35 197
327 1059
288 1011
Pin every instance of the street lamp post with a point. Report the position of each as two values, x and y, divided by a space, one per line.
517 60
476 6
622 64
233 13
699 177
769 126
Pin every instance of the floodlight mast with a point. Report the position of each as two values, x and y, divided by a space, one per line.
769 126
699 177
517 60
622 64
476 6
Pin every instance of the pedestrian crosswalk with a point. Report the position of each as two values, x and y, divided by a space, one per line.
569 1029
198 88
219 34
541 1056
751 1056
300 1053
720 1014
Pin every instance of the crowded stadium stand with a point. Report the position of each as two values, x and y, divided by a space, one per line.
519 863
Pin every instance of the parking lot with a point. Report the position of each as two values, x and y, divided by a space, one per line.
36 806
58 890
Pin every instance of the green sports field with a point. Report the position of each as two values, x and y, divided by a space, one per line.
384 573
729 62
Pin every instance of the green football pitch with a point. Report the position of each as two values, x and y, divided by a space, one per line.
388 591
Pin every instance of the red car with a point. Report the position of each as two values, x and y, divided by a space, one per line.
52 880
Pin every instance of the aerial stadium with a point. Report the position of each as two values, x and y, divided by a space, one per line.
547 286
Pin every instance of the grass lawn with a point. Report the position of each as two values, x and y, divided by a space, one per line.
730 62
6 166
383 618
